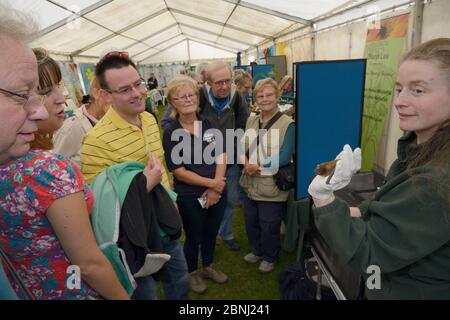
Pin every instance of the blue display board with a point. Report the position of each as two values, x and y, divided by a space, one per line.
330 98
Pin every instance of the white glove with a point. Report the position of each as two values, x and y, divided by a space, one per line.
348 164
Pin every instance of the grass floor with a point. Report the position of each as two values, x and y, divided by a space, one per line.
245 281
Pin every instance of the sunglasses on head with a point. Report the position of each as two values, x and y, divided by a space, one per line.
122 54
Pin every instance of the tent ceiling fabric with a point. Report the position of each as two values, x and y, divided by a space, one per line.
119 14
160 31
307 10
213 9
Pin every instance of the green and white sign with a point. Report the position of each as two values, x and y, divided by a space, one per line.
383 51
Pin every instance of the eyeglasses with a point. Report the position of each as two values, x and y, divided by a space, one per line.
222 82
139 85
25 98
186 97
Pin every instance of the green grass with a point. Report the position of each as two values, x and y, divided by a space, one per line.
245 281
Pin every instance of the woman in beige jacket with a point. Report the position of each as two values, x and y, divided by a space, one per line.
264 204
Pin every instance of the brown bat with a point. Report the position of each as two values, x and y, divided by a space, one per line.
326 168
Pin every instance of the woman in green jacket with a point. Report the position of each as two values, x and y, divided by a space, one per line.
405 229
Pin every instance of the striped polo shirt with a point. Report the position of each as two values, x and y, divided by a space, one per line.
114 140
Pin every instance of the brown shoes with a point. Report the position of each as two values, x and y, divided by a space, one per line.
212 272
196 282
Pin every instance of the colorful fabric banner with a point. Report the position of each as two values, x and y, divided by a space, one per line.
384 47
87 73
69 73
281 49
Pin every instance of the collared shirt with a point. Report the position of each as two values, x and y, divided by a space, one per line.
114 140
67 140
205 144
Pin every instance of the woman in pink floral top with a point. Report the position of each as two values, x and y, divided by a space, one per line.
29 186
44 204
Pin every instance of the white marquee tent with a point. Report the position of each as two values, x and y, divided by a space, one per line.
180 32
162 31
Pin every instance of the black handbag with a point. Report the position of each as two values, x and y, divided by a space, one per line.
285 177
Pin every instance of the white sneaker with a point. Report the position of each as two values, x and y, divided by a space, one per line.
265 266
251 258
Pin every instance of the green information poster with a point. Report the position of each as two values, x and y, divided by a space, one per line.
286 100
384 47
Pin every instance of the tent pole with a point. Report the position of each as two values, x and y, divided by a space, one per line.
313 42
417 23
188 52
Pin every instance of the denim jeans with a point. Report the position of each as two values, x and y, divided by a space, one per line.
226 227
175 283
176 286
200 227
146 289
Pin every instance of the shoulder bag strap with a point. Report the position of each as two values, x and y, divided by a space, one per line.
266 127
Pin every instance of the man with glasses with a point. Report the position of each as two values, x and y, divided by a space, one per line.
20 106
123 88
226 107
128 133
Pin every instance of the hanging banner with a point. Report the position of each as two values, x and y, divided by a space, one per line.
87 73
384 47
281 48
71 81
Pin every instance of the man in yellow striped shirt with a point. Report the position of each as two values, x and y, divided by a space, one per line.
128 133
115 140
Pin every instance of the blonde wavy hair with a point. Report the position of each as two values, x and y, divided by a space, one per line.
267 82
180 82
